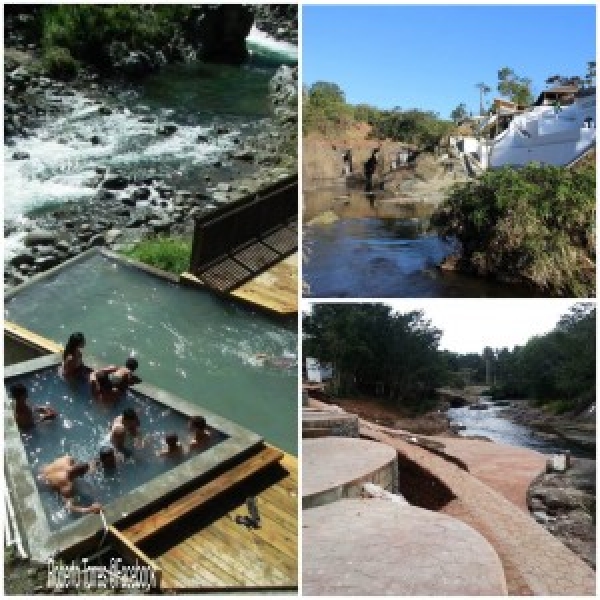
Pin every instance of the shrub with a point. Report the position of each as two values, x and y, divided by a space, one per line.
535 225
169 254
59 63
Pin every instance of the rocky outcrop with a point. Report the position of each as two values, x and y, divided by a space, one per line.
565 505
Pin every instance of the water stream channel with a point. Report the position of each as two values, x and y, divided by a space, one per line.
381 248
492 424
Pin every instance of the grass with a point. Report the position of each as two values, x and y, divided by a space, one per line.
166 253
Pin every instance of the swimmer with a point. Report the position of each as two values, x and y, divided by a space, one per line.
172 447
287 361
102 388
72 363
27 416
122 377
124 433
200 435
60 476
109 458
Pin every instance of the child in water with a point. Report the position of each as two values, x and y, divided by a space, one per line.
172 447
72 363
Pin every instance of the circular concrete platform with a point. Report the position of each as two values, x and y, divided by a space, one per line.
318 423
357 547
335 467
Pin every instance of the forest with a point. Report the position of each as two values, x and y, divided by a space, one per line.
376 351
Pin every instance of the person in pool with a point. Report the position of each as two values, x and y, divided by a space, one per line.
109 459
172 446
72 363
61 476
200 435
125 433
27 416
108 383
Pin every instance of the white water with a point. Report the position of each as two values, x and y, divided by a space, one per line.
62 162
259 40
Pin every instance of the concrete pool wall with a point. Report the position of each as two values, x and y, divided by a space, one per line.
39 541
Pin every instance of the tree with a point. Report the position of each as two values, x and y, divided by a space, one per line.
516 89
483 91
323 93
459 113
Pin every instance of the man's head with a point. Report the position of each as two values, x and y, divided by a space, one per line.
104 382
130 418
18 392
108 458
171 440
197 424
131 363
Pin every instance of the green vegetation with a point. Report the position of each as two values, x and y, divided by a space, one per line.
89 32
166 253
516 89
375 351
325 110
59 63
557 369
534 225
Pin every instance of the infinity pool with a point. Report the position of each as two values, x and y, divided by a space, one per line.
187 341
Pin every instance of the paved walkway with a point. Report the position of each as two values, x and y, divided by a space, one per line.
535 563
375 547
506 469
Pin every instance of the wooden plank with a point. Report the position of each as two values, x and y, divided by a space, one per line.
220 567
248 552
151 525
30 338
231 557
268 553
134 554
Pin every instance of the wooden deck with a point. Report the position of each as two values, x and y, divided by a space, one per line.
208 550
275 290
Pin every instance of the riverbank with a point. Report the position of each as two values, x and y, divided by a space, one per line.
86 200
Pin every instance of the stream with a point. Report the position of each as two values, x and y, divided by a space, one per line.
492 424
380 249
214 107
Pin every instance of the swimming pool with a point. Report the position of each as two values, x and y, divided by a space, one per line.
141 481
190 342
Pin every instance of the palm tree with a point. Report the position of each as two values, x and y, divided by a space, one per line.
483 90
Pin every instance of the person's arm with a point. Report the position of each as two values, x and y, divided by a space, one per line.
95 507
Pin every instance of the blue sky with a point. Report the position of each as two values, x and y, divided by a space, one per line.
431 57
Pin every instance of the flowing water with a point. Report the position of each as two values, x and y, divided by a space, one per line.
195 97
188 342
380 249
491 424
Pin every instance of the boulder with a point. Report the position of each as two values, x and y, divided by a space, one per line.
168 129
104 110
117 182
20 155
95 139
142 193
97 240
39 237
22 258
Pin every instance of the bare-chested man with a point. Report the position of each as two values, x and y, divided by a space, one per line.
124 433
27 416
60 476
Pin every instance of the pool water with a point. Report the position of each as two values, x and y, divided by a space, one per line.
187 341
82 427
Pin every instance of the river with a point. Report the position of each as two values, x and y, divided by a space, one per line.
377 249
196 97
493 425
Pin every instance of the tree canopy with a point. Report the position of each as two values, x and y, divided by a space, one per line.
517 89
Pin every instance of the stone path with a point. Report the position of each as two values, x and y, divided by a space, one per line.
374 547
535 563
507 469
